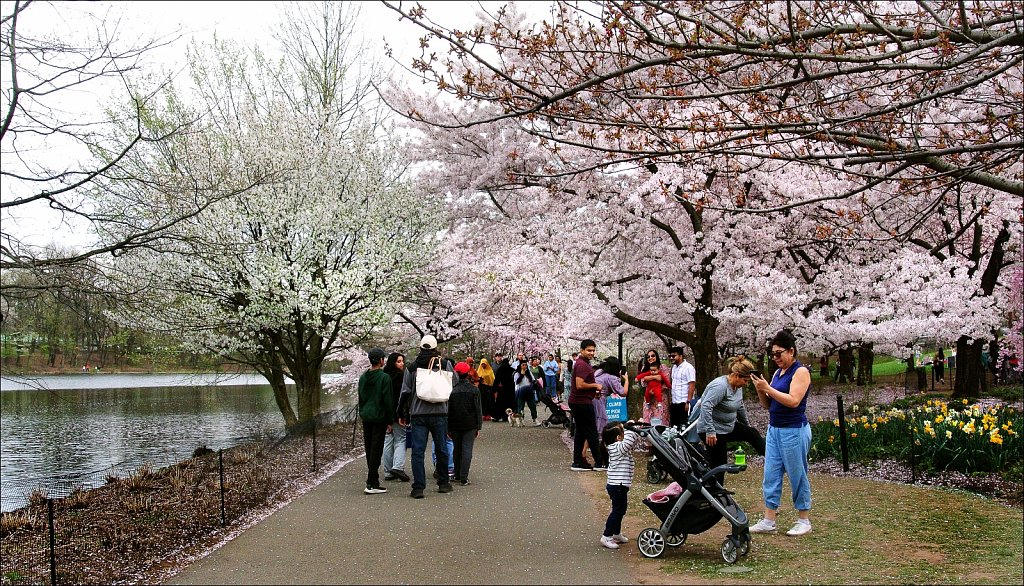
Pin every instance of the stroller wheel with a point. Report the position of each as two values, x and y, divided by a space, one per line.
547 424
729 552
655 474
744 544
675 540
651 543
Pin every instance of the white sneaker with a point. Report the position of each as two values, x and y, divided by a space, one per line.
620 538
800 528
537 423
375 490
609 542
763 526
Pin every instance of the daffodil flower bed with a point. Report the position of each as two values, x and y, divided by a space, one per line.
943 436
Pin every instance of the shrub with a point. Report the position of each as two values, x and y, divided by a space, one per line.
968 439
37 498
141 479
79 498
11 522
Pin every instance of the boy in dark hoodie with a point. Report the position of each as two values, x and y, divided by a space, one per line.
376 409
465 418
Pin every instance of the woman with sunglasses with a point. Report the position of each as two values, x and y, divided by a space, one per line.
788 440
656 381
723 418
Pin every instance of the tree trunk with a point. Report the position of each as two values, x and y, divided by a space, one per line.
865 361
275 376
308 387
844 368
705 349
970 376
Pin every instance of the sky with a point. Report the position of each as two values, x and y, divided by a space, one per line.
244 22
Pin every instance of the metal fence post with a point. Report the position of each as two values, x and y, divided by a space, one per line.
53 542
220 459
842 435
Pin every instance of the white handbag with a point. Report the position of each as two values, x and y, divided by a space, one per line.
433 386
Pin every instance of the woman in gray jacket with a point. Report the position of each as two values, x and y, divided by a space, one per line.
723 418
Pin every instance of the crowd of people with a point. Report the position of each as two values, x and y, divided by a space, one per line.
399 414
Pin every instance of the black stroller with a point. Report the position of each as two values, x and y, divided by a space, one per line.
560 414
656 472
701 505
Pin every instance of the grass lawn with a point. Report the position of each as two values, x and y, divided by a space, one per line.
865 532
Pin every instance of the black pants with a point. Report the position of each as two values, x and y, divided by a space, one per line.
373 442
462 451
620 501
586 431
718 454
677 414
487 400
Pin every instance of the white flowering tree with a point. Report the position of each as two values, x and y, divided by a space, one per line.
313 256
294 269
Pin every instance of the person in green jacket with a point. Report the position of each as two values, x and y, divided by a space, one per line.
377 410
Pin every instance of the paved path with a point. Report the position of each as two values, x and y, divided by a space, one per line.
524 520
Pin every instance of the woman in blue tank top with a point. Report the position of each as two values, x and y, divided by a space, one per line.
788 441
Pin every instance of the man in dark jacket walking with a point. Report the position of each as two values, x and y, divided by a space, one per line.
376 409
465 418
425 417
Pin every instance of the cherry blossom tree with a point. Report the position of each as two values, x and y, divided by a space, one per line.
788 141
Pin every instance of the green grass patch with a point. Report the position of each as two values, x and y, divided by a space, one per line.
865 532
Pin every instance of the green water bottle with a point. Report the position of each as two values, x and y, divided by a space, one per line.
740 457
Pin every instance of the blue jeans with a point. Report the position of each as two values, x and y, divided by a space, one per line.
618 494
450 446
551 385
526 397
786 450
437 427
394 449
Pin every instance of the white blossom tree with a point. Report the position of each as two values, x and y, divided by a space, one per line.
312 258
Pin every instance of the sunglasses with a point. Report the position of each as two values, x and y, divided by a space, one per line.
778 353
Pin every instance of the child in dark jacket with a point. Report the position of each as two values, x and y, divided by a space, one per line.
465 419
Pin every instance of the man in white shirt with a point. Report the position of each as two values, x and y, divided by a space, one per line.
684 387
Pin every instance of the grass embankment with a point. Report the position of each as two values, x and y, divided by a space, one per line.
865 532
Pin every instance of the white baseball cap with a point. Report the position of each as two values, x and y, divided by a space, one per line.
428 342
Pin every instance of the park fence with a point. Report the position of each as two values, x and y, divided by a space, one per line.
134 526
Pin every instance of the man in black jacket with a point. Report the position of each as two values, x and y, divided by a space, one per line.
465 418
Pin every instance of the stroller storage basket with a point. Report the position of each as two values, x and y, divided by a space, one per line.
696 516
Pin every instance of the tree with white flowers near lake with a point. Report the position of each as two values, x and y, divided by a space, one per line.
310 261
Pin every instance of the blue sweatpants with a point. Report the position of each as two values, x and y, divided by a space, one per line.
786 450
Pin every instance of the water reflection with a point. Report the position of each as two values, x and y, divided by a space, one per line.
77 435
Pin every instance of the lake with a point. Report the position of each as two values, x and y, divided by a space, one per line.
60 430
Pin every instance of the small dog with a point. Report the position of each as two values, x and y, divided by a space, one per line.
515 419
